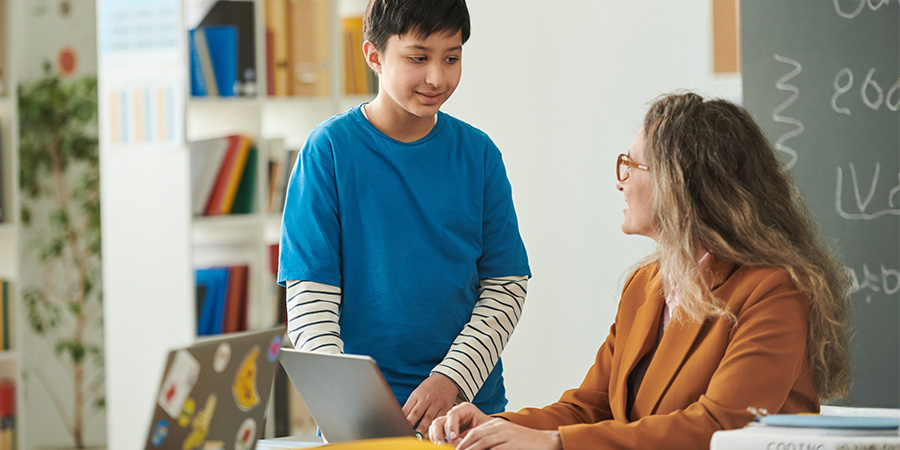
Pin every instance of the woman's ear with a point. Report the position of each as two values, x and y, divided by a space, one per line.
373 57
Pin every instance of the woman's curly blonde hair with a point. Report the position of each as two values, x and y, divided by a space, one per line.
719 186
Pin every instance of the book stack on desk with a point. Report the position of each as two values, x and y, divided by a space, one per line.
818 432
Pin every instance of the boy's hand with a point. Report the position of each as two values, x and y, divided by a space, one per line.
433 398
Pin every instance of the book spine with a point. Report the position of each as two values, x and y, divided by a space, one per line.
222 42
198 83
214 203
206 65
234 178
6 319
308 48
7 414
276 21
270 62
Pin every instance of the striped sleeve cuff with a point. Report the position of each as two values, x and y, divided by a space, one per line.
312 317
477 349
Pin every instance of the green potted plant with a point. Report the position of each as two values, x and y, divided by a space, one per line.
60 223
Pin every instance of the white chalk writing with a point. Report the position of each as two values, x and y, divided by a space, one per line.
782 85
849 13
870 92
886 281
863 200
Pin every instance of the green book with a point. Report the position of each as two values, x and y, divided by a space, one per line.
246 191
6 345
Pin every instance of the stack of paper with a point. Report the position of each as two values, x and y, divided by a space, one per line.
819 432
395 443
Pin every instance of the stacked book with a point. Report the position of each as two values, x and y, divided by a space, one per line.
222 299
222 51
223 176
815 432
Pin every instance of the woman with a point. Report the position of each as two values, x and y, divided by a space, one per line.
741 308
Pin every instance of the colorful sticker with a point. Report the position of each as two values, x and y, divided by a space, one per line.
246 435
178 383
274 348
244 388
200 425
190 406
159 433
223 355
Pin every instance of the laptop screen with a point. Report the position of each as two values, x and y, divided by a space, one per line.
346 395
215 393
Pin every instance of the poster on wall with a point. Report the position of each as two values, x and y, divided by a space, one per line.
142 89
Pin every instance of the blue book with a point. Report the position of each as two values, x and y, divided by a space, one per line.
241 14
818 421
198 84
222 42
212 310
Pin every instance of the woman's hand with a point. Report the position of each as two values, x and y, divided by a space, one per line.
457 422
470 429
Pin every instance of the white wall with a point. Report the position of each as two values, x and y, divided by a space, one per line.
561 87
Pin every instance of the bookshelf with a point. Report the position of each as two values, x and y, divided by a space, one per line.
154 202
9 356
276 123
246 238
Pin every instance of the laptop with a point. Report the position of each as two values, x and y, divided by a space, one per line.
346 395
215 393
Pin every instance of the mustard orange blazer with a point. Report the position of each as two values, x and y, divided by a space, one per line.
703 375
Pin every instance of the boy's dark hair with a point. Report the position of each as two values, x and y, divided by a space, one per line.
386 18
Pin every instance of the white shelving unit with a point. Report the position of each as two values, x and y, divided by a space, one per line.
245 239
150 241
10 365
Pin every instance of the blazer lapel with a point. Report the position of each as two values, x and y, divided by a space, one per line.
676 346
640 341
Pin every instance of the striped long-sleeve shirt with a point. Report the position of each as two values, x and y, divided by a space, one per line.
312 312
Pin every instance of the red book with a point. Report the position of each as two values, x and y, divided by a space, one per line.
214 203
270 62
7 413
235 317
273 258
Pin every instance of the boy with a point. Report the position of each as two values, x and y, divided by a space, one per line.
399 239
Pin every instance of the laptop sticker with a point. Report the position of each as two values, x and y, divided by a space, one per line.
274 348
178 383
244 388
200 425
223 355
190 406
160 431
246 435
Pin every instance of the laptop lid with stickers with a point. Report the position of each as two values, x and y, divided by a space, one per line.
346 394
215 393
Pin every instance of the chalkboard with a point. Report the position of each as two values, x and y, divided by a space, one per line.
822 77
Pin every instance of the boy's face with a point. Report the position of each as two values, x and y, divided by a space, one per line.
417 75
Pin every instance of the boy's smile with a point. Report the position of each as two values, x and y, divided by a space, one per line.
416 76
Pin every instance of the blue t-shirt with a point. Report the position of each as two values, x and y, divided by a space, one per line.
406 230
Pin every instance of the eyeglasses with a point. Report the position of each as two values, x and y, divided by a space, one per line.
624 164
